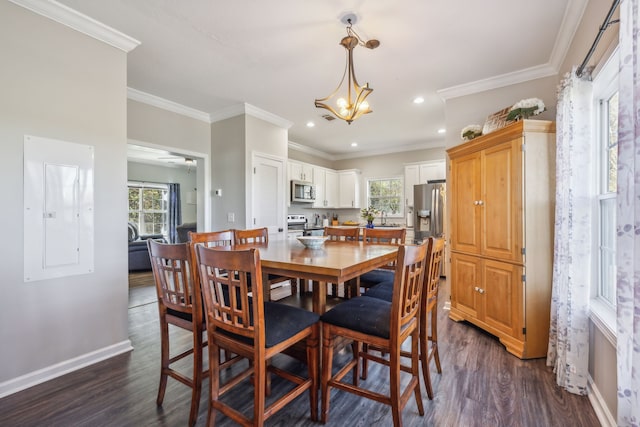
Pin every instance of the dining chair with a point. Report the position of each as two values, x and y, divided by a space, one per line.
380 236
428 311
343 234
260 236
179 304
212 238
384 325
254 329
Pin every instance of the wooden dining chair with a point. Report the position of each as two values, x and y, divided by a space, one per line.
380 236
179 304
343 234
428 311
385 325
212 238
255 329
260 236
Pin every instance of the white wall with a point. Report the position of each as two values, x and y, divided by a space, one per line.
60 84
165 174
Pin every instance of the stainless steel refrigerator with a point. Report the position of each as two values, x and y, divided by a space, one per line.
428 209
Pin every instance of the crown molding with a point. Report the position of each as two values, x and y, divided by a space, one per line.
165 104
570 22
248 109
496 82
304 149
391 150
361 154
82 23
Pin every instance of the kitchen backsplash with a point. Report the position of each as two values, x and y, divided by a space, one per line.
343 215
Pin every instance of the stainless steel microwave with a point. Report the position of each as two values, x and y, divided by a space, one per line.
302 192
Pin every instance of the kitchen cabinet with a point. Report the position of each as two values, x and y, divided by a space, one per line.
420 173
326 185
300 171
349 189
501 236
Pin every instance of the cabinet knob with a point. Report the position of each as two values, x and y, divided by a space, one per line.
476 289
475 202
480 202
481 290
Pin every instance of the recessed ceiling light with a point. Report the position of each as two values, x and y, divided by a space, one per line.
354 144
418 100
310 124
443 130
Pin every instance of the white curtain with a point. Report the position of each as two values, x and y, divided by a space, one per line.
628 219
568 350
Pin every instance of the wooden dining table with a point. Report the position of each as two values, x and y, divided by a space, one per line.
333 262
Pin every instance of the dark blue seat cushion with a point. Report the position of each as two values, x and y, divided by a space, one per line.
182 315
363 314
374 277
281 322
383 291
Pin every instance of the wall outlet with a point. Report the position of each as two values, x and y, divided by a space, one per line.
231 217
218 192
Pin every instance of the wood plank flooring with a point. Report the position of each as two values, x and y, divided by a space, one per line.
481 385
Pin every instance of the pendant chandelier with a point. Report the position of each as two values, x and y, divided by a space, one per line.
350 101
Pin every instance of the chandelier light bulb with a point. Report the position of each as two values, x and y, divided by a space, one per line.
341 102
364 106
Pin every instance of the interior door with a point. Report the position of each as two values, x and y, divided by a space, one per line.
268 189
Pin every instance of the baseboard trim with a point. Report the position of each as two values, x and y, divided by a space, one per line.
599 405
50 372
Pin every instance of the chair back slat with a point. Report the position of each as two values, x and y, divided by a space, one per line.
349 234
435 255
384 236
213 238
258 236
226 278
408 285
171 265
379 236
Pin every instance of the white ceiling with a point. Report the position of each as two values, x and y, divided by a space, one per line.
280 55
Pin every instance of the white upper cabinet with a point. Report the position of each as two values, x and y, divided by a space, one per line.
420 173
300 171
349 189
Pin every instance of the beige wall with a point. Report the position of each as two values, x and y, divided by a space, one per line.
161 127
58 83
228 171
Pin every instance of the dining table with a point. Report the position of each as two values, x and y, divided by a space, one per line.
333 262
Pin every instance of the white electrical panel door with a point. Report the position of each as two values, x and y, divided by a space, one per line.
61 215
58 209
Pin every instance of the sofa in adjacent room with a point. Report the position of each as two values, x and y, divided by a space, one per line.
138 251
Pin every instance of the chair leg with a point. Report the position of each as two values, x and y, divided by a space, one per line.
214 381
259 392
434 338
355 348
415 370
313 366
197 376
394 388
164 364
424 354
365 362
327 365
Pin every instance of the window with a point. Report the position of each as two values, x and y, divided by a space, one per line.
385 194
149 207
605 131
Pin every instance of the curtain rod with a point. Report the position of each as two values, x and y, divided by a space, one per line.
605 25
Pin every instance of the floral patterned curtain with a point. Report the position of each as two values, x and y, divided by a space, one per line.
628 218
568 350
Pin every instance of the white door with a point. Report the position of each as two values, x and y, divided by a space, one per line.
268 189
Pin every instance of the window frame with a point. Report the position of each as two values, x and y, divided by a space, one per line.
140 224
400 195
605 85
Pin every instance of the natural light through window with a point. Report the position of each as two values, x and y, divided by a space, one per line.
385 194
149 207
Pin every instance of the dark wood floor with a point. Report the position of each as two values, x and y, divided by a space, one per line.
481 385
